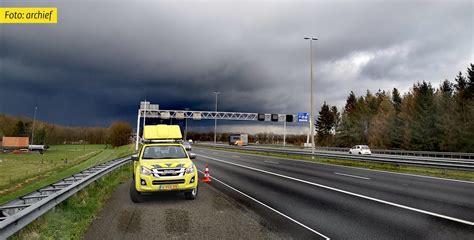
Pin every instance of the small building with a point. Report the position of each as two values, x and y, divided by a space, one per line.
15 143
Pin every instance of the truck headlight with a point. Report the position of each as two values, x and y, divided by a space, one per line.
190 169
145 171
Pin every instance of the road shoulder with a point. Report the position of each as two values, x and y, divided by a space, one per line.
213 215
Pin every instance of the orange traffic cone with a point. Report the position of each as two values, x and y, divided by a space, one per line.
207 176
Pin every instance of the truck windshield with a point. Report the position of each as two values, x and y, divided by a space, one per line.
164 152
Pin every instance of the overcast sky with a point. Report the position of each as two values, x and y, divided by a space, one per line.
103 57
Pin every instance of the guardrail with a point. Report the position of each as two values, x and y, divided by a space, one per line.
460 155
444 163
18 213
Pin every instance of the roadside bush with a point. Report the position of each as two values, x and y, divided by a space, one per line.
119 133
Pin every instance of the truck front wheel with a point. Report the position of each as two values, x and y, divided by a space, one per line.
191 195
134 194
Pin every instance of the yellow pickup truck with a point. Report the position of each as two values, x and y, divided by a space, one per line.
163 164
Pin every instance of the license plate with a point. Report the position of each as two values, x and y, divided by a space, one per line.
169 187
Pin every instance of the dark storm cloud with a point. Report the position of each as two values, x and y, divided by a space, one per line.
104 57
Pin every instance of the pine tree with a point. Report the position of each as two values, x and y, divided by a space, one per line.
346 136
396 99
324 125
381 123
364 111
470 83
445 119
20 129
464 112
461 85
424 133
350 102
396 130
337 119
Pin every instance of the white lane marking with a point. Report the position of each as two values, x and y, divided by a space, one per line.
354 176
265 205
365 169
347 192
271 162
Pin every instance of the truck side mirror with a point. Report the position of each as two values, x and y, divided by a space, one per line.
135 157
192 156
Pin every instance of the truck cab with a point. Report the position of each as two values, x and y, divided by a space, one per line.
238 139
163 164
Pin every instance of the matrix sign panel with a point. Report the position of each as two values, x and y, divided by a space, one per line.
197 116
165 115
303 117
274 117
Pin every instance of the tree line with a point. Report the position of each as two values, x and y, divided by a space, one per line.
425 118
50 134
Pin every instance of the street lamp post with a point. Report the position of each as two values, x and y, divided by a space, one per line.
33 130
185 125
311 119
215 120
144 118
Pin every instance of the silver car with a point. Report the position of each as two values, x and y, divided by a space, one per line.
187 146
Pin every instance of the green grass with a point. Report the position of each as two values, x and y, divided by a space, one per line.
53 168
435 172
71 219
18 167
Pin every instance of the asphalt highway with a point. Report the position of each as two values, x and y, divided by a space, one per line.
319 201
454 163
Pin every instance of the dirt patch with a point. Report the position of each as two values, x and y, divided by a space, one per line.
129 221
177 221
219 203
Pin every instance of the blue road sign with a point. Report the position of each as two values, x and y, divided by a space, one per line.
303 117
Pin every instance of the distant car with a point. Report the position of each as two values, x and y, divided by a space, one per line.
360 149
187 146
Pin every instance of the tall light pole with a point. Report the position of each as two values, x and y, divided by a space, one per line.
215 120
311 119
185 124
33 131
144 118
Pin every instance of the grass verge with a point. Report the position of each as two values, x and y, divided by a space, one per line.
71 218
434 172
37 182
17 168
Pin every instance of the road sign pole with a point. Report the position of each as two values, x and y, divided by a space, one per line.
311 120
138 129
185 125
312 114
215 120
33 131
144 115
284 134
